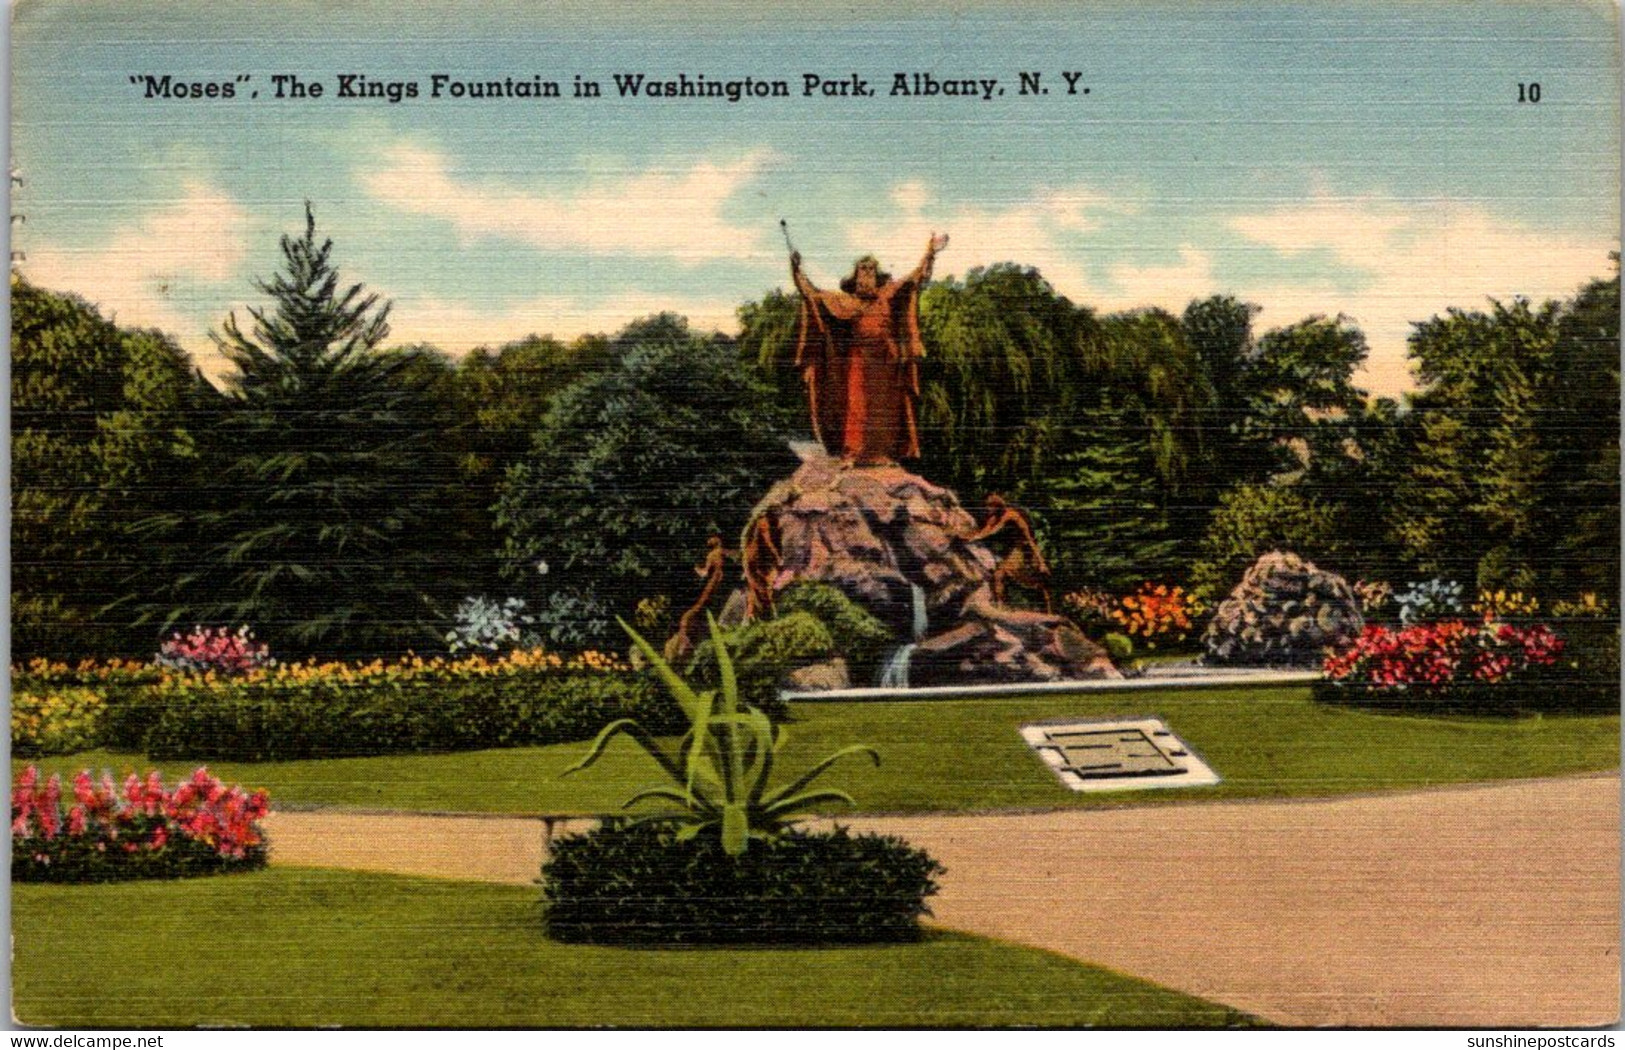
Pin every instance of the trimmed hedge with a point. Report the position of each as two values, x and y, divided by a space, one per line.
310 711
1552 692
272 720
635 884
128 708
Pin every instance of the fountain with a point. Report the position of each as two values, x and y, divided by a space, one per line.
894 675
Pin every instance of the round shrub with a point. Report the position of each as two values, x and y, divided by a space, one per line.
635 884
764 653
858 635
1120 647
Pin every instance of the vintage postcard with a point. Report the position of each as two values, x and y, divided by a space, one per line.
944 514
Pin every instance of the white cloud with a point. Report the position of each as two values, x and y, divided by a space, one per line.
1415 261
458 327
161 271
1408 261
1041 233
1170 286
1032 233
674 212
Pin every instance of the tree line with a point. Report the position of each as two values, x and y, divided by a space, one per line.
341 493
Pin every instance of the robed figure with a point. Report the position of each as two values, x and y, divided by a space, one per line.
859 350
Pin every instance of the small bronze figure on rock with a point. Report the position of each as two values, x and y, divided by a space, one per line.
1024 565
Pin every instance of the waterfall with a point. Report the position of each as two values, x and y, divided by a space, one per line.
895 674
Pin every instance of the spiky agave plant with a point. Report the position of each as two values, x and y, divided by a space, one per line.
719 776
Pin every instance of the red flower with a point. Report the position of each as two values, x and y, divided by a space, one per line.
50 815
83 792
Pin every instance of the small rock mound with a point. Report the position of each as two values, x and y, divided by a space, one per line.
1284 613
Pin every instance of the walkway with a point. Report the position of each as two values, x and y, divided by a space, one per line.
1493 905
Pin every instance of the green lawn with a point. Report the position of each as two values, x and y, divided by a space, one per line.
963 755
303 947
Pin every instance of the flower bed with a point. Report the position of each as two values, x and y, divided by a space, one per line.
217 649
1454 664
1157 611
203 827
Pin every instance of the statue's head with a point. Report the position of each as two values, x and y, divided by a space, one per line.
866 277
995 502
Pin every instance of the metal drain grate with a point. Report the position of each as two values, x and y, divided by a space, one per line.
1117 755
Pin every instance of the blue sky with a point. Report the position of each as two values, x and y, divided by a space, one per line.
1368 158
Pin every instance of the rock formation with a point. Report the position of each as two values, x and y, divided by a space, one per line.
1283 613
893 543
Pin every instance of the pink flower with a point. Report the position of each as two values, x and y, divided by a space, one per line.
83 792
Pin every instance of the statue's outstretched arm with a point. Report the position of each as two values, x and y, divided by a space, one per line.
803 285
922 272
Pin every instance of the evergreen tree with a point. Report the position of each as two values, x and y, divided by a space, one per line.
1102 503
319 524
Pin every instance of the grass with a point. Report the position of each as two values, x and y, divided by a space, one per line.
304 947
966 755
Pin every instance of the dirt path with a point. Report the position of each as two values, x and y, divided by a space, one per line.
1494 905
485 849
